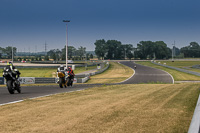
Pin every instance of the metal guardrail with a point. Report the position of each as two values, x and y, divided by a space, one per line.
178 69
195 123
80 78
1 80
44 80
87 76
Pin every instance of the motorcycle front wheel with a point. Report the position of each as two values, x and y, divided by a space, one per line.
68 81
18 88
10 87
61 82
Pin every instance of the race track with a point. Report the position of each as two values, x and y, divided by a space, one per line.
142 74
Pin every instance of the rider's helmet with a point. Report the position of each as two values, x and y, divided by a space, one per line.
9 63
61 66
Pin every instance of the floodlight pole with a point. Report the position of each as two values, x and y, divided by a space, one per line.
173 45
66 42
12 54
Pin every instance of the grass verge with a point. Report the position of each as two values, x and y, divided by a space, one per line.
123 108
114 74
183 64
177 75
47 72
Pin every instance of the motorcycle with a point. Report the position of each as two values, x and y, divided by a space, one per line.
69 79
12 83
64 81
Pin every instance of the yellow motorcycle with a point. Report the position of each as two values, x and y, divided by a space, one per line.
62 82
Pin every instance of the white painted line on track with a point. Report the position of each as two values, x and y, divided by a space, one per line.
163 71
170 75
129 77
38 97
11 102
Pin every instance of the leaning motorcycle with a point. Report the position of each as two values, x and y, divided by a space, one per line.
12 83
64 80
69 79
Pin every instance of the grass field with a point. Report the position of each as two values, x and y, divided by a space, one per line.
48 72
177 75
115 73
183 64
124 108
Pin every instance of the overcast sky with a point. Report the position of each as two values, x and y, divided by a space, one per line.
28 24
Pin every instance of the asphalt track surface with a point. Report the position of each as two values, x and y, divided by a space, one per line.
142 74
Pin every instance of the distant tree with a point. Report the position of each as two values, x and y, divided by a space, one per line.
8 51
81 52
114 49
151 50
54 54
176 51
46 58
100 48
87 56
193 50
1 51
145 49
127 51
194 45
161 51
71 52
19 59
91 56
32 58
40 58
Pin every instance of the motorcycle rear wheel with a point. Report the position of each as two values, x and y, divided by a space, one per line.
10 87
71 83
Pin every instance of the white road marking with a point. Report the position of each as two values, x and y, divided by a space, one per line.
38 97
129 77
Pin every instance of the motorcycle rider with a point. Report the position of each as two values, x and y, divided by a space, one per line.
61 69
11 68
135 66
71 73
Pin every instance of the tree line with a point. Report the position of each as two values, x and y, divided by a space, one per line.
55 54
113 49
73 53
8 52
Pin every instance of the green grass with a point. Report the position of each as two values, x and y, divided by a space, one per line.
183 64
47 72
177 75
114 74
